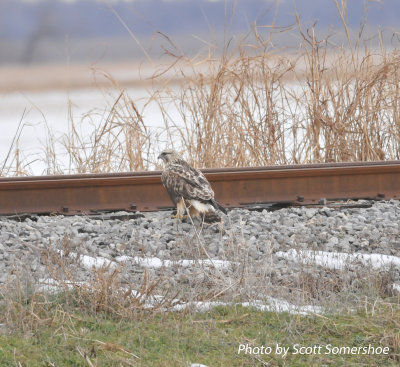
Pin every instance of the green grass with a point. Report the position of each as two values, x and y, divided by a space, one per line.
211 338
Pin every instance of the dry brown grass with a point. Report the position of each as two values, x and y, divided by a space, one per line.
120 143
247 104
253 108
119 293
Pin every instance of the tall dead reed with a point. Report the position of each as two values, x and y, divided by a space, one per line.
325 103
248 103
115 141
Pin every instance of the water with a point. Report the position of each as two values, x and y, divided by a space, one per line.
50 112
53 110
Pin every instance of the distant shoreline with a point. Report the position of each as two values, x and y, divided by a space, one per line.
77 76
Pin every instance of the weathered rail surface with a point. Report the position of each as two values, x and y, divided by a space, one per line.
234 187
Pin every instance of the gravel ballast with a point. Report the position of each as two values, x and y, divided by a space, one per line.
265 242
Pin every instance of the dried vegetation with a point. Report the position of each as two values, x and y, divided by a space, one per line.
248 103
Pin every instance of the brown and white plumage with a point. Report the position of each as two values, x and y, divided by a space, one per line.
188 188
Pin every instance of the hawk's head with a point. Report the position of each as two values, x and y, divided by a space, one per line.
169 156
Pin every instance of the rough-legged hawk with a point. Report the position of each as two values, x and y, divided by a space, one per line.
188 188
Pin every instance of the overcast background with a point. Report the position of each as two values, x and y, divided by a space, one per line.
43 31
55 57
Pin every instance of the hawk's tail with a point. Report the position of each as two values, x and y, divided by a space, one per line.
211 217
217 205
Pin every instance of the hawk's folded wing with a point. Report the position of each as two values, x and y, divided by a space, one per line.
181 180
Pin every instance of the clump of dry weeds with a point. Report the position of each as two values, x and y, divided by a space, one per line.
247 104
325 103
113 291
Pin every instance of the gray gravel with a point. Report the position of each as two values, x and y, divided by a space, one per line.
249 239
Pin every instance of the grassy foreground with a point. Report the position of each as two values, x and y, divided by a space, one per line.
211 338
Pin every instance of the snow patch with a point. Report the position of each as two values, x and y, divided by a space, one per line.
53 286
155 262
339 260
396 287
147 262
89 262
270 304
281 305
98 262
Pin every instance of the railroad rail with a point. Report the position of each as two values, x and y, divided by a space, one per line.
234 187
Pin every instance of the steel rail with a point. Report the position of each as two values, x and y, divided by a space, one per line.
234 187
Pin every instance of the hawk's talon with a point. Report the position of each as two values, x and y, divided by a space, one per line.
176 216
